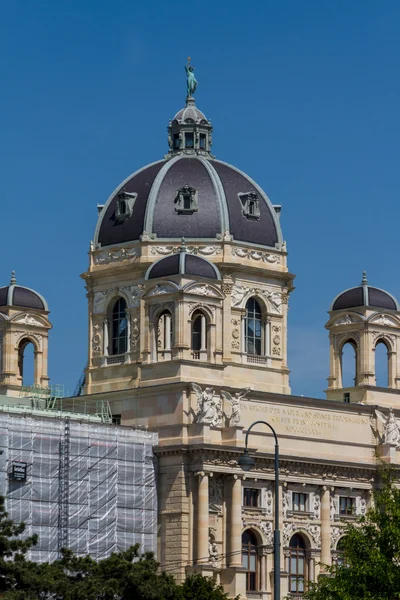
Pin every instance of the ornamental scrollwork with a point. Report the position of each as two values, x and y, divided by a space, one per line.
255 255
96 340
105 257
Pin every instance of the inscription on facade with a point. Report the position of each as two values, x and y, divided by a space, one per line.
304 422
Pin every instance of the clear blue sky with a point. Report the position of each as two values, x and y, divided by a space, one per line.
304 96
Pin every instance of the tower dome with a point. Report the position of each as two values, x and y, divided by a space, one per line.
183 264
189 193
364 296
14 295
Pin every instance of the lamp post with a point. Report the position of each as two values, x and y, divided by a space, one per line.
246 462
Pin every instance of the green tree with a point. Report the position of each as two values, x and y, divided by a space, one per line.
197 587
371 548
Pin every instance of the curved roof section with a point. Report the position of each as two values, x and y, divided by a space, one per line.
21 297
219 188
364 295
183 264
190 113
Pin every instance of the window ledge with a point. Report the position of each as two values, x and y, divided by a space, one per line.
300 513
346 517
254 509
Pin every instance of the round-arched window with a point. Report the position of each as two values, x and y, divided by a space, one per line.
297 564
253 328
119 328
196 332
250 560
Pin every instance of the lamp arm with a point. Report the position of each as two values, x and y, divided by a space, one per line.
257 423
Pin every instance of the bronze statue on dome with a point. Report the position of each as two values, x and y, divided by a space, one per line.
191 79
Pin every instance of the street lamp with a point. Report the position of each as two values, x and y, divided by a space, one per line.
246 462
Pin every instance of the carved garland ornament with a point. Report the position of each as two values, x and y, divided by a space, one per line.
205 250
96 340
105 257
254 255
135 333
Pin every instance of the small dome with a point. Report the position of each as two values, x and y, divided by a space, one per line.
190 113
183 264
21 297
364 295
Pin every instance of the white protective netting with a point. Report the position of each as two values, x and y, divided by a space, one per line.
89 487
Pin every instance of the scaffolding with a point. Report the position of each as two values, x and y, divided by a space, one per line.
89 486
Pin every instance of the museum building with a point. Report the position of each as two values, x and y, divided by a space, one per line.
188 288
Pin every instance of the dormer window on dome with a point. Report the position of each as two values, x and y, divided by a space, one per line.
250 205
186 200
125 204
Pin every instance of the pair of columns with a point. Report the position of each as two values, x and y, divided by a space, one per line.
234 557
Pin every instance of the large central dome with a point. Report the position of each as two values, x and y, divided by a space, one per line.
189 193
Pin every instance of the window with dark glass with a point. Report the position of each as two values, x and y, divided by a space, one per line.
189 140
116 419
176 141
202 141
297 565
299 502
250 560
251 497
340 560
253 328
119 340
196 333
347 505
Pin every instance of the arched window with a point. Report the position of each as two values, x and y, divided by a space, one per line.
119 328
339 558
164 336
298 568
26 362
349 364
253 337
382 364
199 335
250 560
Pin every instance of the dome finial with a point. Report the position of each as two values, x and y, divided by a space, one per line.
183 245
13 280
364 278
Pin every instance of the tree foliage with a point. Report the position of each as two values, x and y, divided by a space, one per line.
371 549
126 575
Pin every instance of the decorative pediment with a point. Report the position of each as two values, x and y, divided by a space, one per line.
348 318
384 320
162 288
203 289
29 319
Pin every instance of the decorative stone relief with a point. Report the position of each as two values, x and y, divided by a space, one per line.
391 430
195 305
339 340
254 255
133 292
285 502
274 299
334 507
96 340
202 290
135 333
216 493
267 529
209 406
28 320
104 257
287 533
384 336
385 321
235 334
316 505
345 320
361 506
234 401
162 289
212 548
315 533
268 499
19 335
205 250
99 300
336 534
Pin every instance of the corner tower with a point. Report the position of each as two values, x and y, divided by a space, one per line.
222 329
363 317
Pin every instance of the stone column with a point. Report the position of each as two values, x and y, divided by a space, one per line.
235 550
325 525
202 518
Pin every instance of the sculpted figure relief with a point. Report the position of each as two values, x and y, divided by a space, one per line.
234 401
209 409
391 431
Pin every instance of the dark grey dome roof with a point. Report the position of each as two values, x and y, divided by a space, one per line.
23 297
190 113
364 295
220 189
183 263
